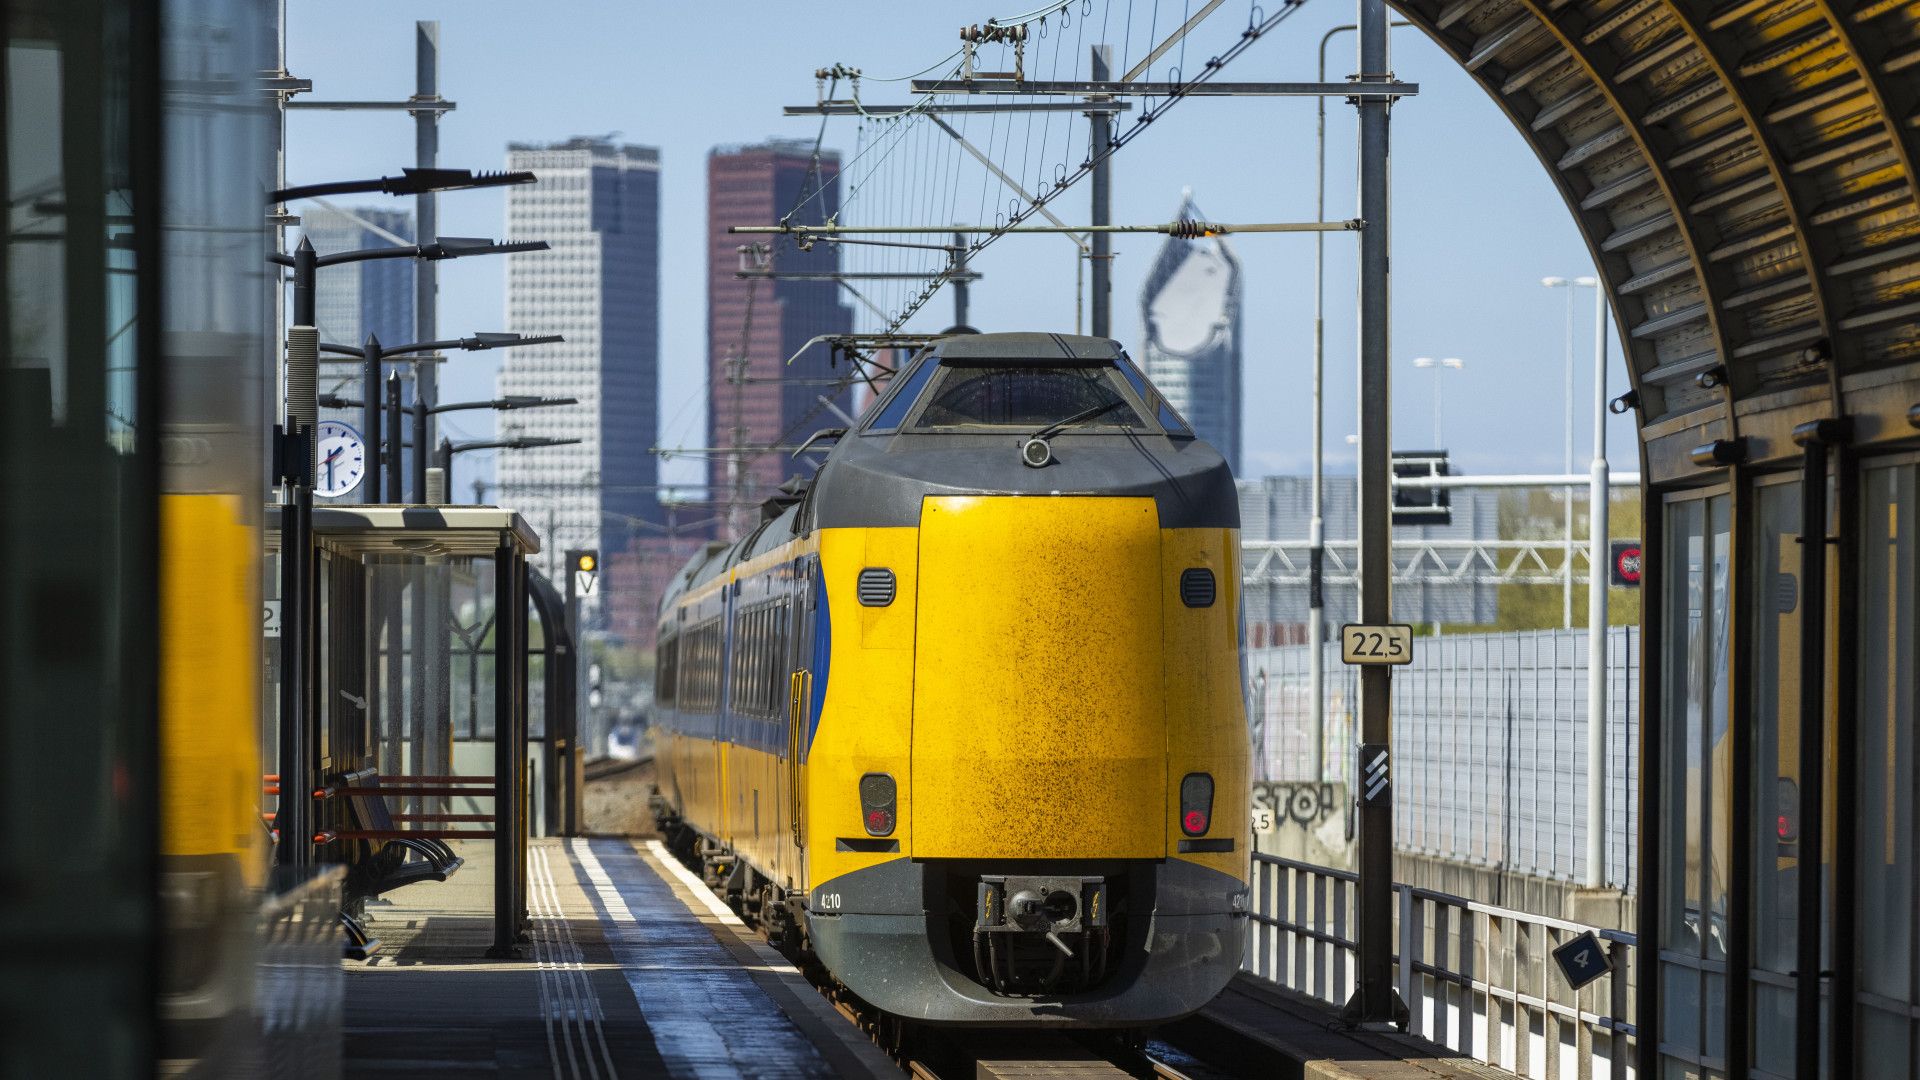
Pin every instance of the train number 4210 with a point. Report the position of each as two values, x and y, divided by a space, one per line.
1388 643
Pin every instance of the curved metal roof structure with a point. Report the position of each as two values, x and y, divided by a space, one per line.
1745 176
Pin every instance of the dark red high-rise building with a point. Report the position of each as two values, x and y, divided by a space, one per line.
755 324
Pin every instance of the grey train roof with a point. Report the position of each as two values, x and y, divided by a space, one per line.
1744 175
879 480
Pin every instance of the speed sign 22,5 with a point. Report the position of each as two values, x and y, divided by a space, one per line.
1387 643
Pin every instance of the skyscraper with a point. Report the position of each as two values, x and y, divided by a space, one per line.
598 205
355 299
756 399
1191 306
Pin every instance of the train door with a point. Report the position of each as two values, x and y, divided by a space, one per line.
799 706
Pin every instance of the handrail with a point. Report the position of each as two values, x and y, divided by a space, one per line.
1478 977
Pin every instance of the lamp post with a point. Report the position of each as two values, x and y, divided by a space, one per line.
1566 462
1452 362
449 448
1316 526
297 584
373 354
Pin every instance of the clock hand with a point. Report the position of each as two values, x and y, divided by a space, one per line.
330 458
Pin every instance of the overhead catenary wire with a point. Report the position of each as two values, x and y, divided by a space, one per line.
883 199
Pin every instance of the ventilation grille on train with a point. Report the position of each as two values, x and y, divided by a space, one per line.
876 587
1196 587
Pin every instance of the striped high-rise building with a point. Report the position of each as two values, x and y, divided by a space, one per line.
597 204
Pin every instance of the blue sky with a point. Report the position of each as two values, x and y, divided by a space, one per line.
1477 223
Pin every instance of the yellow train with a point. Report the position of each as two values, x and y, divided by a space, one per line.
965 721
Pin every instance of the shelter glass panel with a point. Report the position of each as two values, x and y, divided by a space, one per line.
1886 864
1697 784
1775 625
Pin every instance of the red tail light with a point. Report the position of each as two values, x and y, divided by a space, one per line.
878 795
1196 803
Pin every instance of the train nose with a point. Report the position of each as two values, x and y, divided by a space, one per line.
1039 724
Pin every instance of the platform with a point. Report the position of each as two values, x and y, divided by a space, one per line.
1253 1019
632 970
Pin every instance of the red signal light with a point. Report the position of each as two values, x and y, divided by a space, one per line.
1783 827
879 822
1194 823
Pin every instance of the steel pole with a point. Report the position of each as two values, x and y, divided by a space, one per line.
1375 1001
370 417
1598 574
396 440
1101 244
959 283
293 813
1316 527
1566 466
426 147
420 443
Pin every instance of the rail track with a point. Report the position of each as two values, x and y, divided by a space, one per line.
935 1053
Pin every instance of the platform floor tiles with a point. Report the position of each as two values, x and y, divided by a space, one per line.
632 972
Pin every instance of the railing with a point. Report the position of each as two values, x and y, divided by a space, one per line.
1482 980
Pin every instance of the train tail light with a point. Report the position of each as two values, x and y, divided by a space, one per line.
878 796
1196 803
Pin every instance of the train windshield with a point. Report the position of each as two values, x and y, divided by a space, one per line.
1026 396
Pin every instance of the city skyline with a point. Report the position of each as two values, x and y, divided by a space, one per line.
1465 277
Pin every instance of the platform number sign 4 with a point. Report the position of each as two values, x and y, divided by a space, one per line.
1582 959
1388 643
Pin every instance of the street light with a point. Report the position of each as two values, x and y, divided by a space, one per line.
1597 554
1316 525
1566 463
297 652
409 182
524 442
373 355
1451 362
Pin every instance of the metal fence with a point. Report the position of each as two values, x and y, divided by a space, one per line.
1489 741
1477 979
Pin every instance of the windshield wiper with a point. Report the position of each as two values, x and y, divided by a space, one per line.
1080 417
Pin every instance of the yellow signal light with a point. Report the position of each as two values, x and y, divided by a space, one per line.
586 561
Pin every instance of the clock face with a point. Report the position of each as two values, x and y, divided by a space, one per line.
339 459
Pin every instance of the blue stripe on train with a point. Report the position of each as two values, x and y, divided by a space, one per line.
822 655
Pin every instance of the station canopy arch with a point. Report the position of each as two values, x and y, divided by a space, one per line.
1744 176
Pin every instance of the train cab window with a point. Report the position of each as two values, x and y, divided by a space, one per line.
1025 396
1162 411
895 410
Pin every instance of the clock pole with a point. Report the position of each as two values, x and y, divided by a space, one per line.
370 416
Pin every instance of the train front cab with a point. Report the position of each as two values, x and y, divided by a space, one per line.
1040 691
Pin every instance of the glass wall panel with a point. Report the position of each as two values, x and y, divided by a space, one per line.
1697 784
1886 863
77 569
1774 621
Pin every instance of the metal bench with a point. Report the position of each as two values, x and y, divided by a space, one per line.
391 859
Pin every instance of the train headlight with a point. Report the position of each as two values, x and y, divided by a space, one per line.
1196 803
1036 452
878 797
